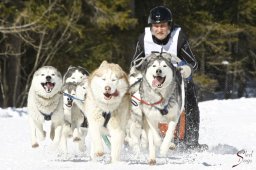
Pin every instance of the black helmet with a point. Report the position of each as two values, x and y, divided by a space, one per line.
160 14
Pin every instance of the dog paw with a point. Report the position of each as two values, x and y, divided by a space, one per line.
172 146
35 145
152 162
99 154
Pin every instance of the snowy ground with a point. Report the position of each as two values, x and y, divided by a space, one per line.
227 126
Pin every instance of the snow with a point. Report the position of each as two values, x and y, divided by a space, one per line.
227 126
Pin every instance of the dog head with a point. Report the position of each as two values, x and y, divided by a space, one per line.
69 91
158 71
75 74
47 81
108 83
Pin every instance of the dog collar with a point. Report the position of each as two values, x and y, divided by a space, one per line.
47 117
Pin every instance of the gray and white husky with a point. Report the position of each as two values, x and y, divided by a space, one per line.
160 99
75 121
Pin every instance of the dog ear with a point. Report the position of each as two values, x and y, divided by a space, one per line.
104 63
146 61
83 70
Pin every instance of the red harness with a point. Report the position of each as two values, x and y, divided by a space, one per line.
149 104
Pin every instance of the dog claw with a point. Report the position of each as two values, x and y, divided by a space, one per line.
152 162
35 145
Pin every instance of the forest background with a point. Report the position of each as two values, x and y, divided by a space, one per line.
34 33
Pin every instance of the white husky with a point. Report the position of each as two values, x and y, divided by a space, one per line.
160 99
107 107
45 103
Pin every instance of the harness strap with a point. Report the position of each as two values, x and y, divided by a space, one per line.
149 104
106 117
72 97
46 116
136 82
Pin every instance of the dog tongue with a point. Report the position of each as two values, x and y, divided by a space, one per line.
155 83
49 85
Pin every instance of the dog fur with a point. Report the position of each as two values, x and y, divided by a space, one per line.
107 96
160 99
45 103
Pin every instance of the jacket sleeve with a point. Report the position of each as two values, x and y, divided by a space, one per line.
184 51
139 53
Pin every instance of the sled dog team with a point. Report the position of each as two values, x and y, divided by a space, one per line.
110 104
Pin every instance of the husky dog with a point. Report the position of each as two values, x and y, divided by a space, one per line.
45 103
74 119
107 107
75 74
160 99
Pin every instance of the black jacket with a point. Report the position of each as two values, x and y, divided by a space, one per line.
183 49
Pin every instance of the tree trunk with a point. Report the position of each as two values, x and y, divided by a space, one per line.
12 71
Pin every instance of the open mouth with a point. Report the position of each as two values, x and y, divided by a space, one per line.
108 96
48 86
158 81
69 104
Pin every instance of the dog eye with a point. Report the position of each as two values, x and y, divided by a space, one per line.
53 74
113 79
103 79
154 65
164 65
42 74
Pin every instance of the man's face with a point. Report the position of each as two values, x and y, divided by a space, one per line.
161 30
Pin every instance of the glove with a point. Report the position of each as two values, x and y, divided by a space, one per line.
185 71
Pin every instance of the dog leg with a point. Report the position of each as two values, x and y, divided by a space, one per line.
117 140
96 141
64 136
135 133
81 144
33 133
76 135
152 150
40 133
57 132
167 139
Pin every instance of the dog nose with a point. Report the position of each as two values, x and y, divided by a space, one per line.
158 71
48 78
107 88
69 99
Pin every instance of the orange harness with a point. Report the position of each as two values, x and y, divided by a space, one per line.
179 130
